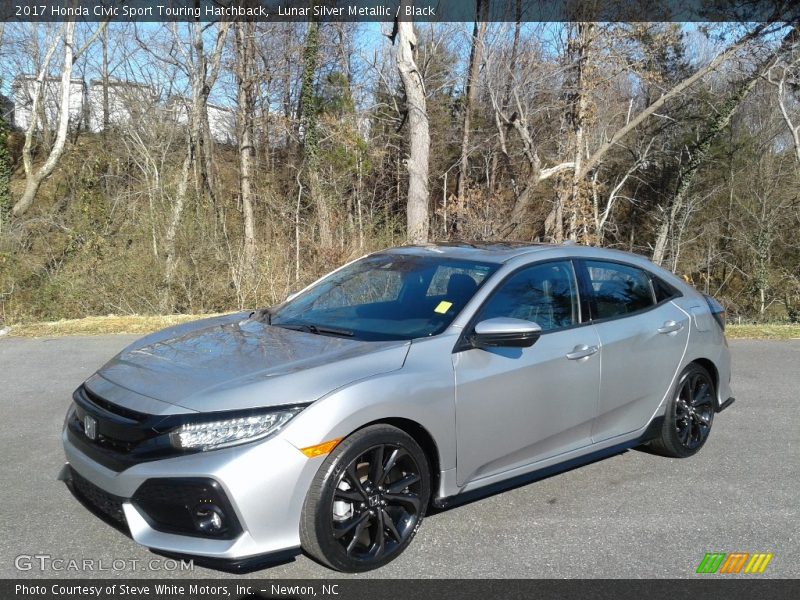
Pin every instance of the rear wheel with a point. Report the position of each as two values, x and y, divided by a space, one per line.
689 415
367 501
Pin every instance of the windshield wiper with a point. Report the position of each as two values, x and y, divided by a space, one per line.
316 329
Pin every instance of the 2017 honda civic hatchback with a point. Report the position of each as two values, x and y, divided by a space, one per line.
410 377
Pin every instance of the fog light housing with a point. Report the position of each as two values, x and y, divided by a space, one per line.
193 506
208 518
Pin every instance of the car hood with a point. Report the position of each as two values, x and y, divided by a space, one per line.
236 362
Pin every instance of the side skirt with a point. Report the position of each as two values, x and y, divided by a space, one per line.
652 431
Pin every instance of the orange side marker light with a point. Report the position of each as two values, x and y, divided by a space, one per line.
320 449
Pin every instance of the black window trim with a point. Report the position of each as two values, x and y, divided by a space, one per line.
583 275
674 292
583 313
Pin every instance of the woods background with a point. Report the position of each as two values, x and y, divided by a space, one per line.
206 167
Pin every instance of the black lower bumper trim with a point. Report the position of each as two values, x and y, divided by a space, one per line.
100 503
725 404
167 504
247 564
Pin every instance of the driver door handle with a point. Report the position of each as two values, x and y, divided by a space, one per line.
582 351
670 327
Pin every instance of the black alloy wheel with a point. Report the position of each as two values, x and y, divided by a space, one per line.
694 410
689 414
367 501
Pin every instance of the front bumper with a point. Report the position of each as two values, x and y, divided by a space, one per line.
265 484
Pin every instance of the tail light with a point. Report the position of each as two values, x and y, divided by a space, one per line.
717 310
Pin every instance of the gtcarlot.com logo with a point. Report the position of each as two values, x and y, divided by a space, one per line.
47 562
735 562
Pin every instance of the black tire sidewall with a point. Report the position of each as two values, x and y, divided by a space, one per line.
317 510
670 441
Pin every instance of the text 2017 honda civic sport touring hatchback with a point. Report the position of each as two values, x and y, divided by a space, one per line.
410 377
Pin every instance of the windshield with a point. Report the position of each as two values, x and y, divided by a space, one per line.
386 297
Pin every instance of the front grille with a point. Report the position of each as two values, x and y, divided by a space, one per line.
107 505
115 445
121 436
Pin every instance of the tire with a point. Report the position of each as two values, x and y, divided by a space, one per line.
350 521
689 415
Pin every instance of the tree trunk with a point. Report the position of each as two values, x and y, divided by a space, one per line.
420 141
171 261
105 78
245 68
512 62
5 177
475 57
570 193
203 75
308 119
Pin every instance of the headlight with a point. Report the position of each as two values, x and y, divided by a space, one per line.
229 432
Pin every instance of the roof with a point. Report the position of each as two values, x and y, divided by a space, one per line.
501 251
19 79
121 83
495 252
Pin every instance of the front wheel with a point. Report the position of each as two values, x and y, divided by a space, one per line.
689 415
367 500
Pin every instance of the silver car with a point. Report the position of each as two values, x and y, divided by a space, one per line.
412 377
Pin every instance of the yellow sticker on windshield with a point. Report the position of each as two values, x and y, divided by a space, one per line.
442 307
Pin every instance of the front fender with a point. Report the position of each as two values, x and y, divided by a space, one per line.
422 391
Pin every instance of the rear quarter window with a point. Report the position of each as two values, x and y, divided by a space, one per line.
662 290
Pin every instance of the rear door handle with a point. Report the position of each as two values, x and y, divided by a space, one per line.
582 351
670 327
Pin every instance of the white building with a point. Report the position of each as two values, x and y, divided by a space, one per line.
221 120
222 123
128 102
23 90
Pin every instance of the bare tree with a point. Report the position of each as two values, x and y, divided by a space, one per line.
470 91
784 75
203 70
419 134
309 117
244 43
699 151
602 211
35 177
571 191
518 121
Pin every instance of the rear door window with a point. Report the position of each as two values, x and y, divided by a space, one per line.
618 289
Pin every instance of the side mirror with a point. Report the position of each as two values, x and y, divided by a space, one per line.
505 332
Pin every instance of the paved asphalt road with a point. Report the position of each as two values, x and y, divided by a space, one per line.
633 515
